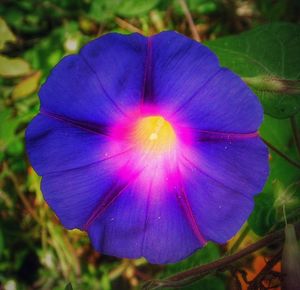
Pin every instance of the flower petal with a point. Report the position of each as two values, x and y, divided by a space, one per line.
180 66
219 181
98 84
119 230
130 202
240 164
150 225
77 194
55 145
188 77
119 64
169 237
218 210
224 104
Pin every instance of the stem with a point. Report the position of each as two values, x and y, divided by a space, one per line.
273 84
189 276
21 195
240 239
127 26
296 133
189 19
284 214
281 154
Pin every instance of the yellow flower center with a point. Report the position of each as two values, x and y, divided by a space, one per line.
154 134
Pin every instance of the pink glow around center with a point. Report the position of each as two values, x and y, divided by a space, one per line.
149 145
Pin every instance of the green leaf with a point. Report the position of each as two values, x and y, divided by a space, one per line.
1 242
278 132
210 282
7 128
209 253
268 58
26 86
267 213
103 10
47 53
5 34
13 67
130 8
263 216
69 287
197 6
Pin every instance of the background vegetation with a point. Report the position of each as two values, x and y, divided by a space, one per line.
35 251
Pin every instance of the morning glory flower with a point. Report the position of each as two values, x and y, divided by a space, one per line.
148 145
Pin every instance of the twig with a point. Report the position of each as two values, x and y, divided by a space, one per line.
281 154
21 195
189 19
296 133
127 26
189 276
119 270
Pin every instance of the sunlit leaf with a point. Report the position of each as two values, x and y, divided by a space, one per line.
5 34
13 67
27 86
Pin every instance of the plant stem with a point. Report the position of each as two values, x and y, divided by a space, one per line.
296 132
189 19
240 239
189 276
21 195
128 26
281 154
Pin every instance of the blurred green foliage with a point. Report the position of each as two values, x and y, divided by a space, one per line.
35 251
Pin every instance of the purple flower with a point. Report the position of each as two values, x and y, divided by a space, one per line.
148 145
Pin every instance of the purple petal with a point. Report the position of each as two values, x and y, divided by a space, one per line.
224 104
55 145
132 203
186 76
218 210
100 83
119 62
119 229
76 194
169 236
240 164
180 66
145 221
